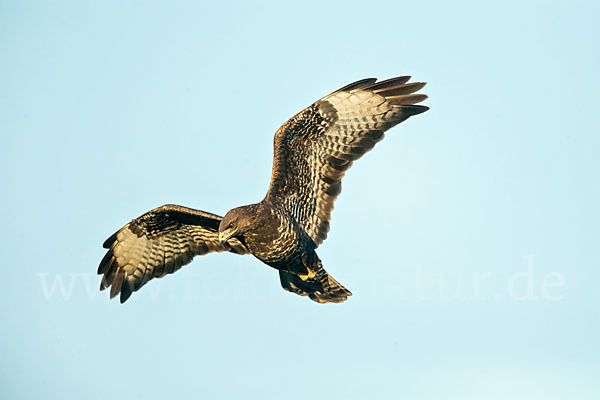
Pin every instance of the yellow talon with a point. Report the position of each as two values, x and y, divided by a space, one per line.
311 274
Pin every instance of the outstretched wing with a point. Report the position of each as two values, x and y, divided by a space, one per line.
315 148
159 243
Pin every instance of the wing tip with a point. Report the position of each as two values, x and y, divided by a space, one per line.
415 109
357 85
109 242
126 290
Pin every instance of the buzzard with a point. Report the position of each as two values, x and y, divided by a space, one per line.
312 152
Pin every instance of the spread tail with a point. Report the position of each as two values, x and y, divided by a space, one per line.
318 285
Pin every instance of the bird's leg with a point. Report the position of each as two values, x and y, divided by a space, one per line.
309 272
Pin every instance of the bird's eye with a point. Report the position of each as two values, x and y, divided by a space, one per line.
231 225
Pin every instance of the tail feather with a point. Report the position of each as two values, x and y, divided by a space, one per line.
318 285
333 292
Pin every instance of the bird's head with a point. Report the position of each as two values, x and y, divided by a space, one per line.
237 222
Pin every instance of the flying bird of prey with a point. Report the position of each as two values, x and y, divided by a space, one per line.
313 151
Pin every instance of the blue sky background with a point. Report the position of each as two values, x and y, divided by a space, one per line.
469 237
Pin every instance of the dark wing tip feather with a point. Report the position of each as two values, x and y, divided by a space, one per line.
414 109
389 83
408 99
401 89
106 262
126 290
358 84
117 284
109 242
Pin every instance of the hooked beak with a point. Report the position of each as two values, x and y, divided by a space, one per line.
225 236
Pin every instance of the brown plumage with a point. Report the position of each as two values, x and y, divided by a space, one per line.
312 152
